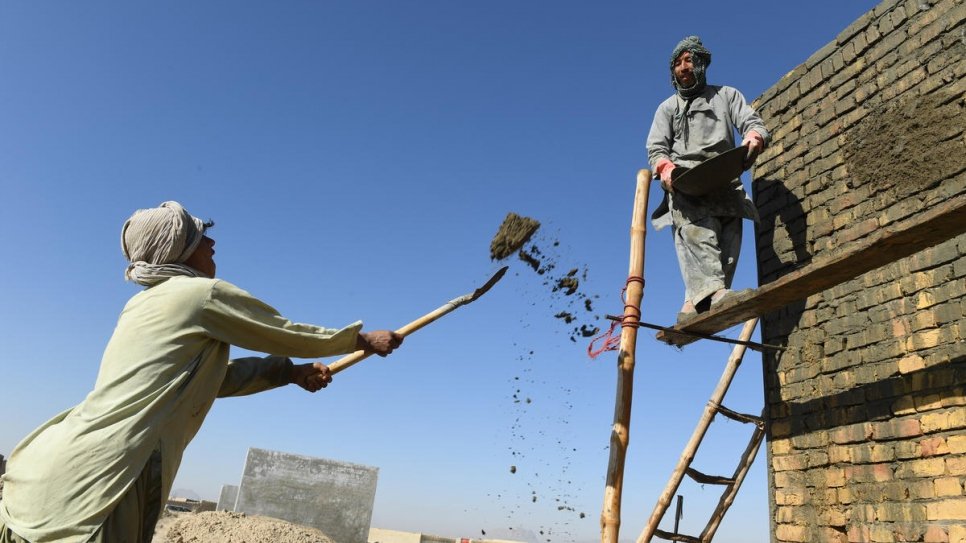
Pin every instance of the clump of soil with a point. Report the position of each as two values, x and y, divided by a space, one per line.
513 234
228 527
907 145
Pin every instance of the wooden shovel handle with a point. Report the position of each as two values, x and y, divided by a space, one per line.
351 359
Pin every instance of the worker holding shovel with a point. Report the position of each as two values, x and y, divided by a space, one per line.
100 471
695 124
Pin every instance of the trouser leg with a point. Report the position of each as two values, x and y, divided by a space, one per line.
134 518
730 243
707 252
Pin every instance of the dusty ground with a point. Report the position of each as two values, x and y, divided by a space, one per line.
227 527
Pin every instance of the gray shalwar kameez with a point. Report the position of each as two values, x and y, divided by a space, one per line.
706 229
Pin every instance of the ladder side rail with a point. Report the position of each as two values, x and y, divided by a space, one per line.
664 501
747 459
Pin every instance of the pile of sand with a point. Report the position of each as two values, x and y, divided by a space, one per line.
228 527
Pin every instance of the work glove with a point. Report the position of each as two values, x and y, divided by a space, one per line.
663 169
755 144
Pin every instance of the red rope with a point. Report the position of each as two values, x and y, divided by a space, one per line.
632 315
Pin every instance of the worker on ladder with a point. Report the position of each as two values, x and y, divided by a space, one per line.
695 124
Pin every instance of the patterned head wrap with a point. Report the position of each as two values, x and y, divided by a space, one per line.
157 241
701 58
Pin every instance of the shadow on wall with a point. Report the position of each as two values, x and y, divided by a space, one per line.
782 230
873 402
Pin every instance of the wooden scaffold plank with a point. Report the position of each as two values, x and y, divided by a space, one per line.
891 243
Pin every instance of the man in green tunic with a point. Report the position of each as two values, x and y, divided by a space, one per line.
100 471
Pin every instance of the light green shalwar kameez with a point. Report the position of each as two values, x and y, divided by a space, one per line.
164 366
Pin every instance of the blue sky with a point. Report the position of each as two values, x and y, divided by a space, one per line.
358 157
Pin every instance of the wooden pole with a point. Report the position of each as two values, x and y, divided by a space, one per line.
734 361
610 517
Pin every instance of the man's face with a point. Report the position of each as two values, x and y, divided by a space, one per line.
203 257
684 70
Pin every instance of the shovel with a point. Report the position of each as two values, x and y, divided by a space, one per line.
350 359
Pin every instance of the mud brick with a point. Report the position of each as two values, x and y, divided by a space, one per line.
952 419
948 486
838 454
922 489
779 429
790 479
948 509
859 533
852 433
789 462
786 514
817 459
908 531
869 473
827 67
925 339
934 534
956 443
903 406
907 449
928 402
885 24
792 532
896 429
956 465
901 512
832 517
882 452
898 15
946 312
929 467
862 453
882 534
894 491
933 446
791 497
910 363
832 535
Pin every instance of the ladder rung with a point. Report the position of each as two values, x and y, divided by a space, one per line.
740 417
705 479
675 537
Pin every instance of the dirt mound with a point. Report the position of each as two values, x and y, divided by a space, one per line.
228 527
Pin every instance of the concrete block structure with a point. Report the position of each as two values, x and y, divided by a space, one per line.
227 498
335 497
866 408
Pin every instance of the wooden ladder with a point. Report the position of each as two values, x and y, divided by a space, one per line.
731 484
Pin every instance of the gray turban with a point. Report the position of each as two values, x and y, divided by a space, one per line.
157 241
701 58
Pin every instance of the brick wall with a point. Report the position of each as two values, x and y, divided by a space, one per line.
867 406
